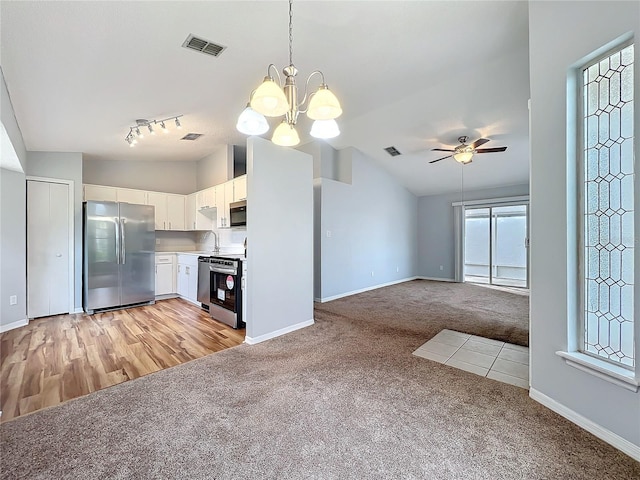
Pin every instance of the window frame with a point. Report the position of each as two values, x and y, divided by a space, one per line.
574 355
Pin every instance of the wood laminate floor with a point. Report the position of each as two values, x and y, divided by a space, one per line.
58 358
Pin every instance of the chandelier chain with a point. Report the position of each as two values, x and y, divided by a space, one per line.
290 32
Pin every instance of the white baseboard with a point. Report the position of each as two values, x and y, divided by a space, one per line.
12 325
366 289
277 333
602 433
437 279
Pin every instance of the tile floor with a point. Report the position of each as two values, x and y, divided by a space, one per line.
489 358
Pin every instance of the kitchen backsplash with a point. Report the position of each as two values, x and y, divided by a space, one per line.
230 241
167 241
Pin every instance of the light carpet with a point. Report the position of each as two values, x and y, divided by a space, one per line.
342 399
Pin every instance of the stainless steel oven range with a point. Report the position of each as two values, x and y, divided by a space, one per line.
220 289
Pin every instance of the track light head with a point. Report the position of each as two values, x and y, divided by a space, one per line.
151 129
164 127
139 133
178 125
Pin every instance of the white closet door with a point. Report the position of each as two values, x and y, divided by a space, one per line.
47 248
58 248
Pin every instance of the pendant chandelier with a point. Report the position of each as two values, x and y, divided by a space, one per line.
272 99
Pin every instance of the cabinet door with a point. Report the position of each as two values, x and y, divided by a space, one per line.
183 280
164 279
126 195
192 282
159 201
240 188
100 193
190 212
224 196
175 212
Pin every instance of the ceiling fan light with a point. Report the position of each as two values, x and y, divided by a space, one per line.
325 129
463 157
324 105
251 122
285 135
269 99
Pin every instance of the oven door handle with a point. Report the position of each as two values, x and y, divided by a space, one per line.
220 270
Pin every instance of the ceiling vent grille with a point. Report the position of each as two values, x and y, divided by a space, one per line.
203 46
393 151
192 136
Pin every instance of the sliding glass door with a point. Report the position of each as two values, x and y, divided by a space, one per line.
495 250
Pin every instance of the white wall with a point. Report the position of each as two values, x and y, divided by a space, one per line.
215 168
171 177
66 166
436 236
368 225
280 253
561 34
13 241
10 123
13 211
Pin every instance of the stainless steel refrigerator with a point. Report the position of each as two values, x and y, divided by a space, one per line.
119 255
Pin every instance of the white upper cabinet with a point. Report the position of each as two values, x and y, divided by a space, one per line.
127 195
224 196
100 193
159 201
175 212
190 212
169 209
240 188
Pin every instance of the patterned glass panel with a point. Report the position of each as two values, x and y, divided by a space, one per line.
608 208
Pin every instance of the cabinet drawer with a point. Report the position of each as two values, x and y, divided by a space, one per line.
164 259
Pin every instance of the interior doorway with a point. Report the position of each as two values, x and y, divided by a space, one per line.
495 245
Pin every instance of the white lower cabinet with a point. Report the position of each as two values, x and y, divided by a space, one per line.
165 276
187 277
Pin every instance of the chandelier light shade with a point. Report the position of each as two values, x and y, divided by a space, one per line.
269 99
275 99
325 129
463 157
285 135
135 133
251 122
324 105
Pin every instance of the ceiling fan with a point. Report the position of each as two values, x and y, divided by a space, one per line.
464 153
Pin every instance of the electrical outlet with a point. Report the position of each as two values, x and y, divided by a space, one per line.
13 300
372 273
397 269
328 233
441 267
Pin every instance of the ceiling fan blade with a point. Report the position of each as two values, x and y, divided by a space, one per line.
434 161
491 150
442 150
477 143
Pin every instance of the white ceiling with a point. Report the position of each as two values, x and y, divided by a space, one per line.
413 74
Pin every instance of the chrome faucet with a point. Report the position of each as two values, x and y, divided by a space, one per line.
216 244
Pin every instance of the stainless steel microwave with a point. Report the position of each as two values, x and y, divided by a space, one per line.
238 214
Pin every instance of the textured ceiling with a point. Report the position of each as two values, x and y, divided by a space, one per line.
414 74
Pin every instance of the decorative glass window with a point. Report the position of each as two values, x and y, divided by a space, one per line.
607 208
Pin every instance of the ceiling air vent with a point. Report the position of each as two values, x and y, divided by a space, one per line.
192 136
201 45
393 151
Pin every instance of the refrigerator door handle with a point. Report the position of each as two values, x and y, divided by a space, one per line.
117 243
123 245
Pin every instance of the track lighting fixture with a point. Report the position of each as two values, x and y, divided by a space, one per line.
272 99
135 133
